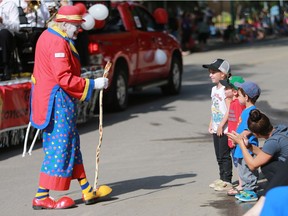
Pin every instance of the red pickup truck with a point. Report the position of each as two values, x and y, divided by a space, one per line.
130 39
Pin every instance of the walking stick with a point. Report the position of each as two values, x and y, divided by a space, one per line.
103 190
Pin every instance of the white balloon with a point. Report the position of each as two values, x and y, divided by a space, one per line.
99 11
160 57
89 22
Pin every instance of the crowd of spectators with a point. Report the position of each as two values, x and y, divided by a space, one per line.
195 28
192 28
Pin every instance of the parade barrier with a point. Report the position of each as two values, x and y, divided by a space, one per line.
14 103
14 109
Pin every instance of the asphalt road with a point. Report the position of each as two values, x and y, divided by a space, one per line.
157 156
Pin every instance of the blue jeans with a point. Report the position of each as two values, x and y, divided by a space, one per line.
223 157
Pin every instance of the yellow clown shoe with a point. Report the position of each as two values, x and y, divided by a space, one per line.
91 197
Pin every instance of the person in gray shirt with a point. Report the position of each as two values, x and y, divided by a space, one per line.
275 147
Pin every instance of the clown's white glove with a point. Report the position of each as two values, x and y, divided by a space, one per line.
100 83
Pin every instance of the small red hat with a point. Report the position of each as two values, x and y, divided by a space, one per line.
70 14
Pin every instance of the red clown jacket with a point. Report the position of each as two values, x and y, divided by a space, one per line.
56 66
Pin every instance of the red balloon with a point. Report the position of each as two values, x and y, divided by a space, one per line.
81 7
161 16
99 24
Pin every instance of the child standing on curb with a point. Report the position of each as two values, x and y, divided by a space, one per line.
219 69
249 92
235 110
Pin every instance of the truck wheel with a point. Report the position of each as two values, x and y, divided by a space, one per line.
174 79
117 98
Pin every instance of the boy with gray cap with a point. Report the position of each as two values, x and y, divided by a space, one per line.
249 92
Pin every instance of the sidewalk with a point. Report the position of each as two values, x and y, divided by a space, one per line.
216 43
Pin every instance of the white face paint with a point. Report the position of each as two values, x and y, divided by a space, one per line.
72 30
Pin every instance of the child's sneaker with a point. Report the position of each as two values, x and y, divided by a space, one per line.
237 196
223 186
242 193
247 196
215 183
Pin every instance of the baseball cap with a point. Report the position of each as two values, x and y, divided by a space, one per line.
231 81
218 65
70 14
250 88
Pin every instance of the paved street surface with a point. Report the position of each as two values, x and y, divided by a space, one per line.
157 156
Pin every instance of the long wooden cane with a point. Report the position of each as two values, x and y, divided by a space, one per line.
103 190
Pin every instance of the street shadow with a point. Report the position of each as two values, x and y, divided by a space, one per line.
276 116
228 205
270 41
12 151
149 185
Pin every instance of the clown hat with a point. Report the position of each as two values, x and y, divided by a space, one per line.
69 13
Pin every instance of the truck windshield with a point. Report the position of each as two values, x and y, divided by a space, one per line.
143 20
113 23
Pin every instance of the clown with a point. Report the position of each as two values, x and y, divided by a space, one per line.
56 89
